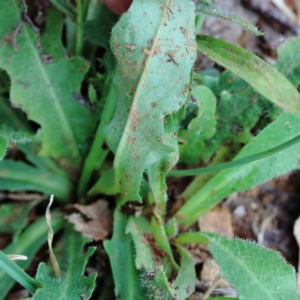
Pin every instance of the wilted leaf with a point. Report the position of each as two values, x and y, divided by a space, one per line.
99 225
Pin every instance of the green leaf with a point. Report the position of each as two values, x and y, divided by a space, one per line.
184 284
229 181
222 298
14 217
158 171
260 75
28 243
255 272
239 109
201 128
39 69
191 237
121 253
98 29
72 284
142 238
17 273
161 239
154 46
19 176
3 147
289 60
13 127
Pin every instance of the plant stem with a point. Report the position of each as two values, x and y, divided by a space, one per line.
97 154
18 274
238 162
191 237
79 34
64 8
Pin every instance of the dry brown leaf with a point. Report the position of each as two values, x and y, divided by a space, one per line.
99 225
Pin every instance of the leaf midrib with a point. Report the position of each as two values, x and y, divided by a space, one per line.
136 98
61 115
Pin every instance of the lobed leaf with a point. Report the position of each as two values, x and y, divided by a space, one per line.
46 83
255 272
261 76
200 128
72 284
155 49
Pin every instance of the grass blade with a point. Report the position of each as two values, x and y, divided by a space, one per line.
260 75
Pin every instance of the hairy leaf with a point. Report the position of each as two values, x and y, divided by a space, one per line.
155 49
233 180
289 60
255 272
72 284
260 75
46 83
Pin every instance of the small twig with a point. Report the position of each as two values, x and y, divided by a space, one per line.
271 12
285 9
212 287
265 222
53 259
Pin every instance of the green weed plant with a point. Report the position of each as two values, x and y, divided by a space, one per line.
94 111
